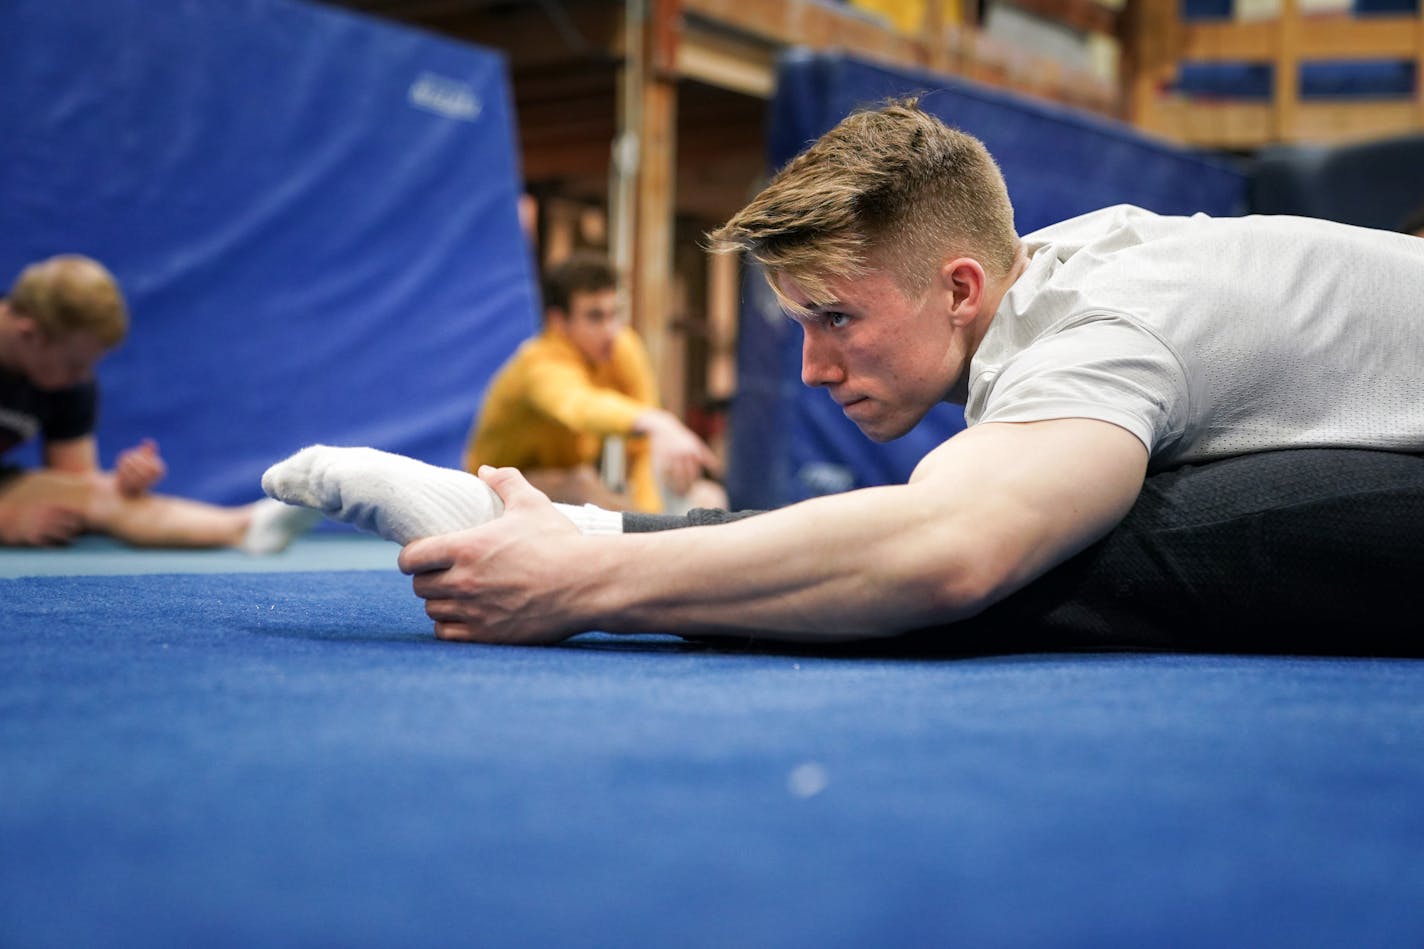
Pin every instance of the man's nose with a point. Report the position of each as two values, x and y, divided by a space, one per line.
819 366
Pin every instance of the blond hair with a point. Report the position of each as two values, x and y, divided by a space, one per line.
71 294
894 187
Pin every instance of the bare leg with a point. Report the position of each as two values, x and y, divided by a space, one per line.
580 485
158 520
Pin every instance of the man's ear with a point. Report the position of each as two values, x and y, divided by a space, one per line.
556 316
963 280
24 325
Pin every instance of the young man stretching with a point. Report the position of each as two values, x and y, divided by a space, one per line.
60 318
586 379
1087 355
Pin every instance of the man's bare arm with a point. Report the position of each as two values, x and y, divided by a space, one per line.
983 515
73 455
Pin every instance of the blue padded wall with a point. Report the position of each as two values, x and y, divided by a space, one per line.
789 442
313 213
1318 80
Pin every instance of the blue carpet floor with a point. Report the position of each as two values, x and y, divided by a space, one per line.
93 554
289 759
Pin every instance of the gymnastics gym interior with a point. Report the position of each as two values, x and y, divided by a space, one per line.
328 219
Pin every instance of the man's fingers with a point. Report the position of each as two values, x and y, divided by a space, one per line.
426 555
510 485
437 584
710 462
455 632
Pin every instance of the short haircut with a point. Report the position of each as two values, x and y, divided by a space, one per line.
892 187
71 294
580 272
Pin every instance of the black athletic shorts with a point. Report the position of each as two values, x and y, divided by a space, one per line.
1301 551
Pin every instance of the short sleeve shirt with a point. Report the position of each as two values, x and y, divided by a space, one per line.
1211 337
27 412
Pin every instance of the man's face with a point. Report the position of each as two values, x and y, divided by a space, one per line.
886 360
57 362
593 321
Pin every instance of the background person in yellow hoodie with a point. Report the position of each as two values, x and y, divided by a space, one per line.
584 379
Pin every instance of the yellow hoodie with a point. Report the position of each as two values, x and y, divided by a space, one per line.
548 407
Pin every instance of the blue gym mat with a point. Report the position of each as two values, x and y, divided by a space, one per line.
290 759
93 554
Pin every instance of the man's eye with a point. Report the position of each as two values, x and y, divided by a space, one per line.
837 319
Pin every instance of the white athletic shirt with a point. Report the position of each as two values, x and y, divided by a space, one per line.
1209 337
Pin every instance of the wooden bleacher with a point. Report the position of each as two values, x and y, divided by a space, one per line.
1161 41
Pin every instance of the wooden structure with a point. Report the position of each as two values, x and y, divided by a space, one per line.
654 110
1159 41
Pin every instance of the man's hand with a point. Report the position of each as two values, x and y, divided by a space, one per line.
139 469
40 524
501 582
679 456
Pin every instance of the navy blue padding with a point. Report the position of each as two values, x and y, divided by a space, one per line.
1225 9
1206 9
1326 79
1357 79
1385 6
291 760
1371 184
788 442
314 215
1225 80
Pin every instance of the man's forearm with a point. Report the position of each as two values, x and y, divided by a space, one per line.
863 564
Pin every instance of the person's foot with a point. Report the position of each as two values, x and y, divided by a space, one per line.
398 498
274 525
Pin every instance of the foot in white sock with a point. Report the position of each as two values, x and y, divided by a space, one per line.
275 525
399 498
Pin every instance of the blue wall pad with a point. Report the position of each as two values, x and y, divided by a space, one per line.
292 760
1225 9
1386 7
1229 80
1371 184
789 442
1318 80
314 214
1206 9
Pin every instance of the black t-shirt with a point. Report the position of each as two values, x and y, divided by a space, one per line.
27 411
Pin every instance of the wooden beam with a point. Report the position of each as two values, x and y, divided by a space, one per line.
652 299
1318 37
1085 16
644 185
742 66
1153 50
1285 87
723 302
1246 125
1419 68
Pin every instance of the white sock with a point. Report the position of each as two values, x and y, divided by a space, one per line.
592 519
398 498
275 525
